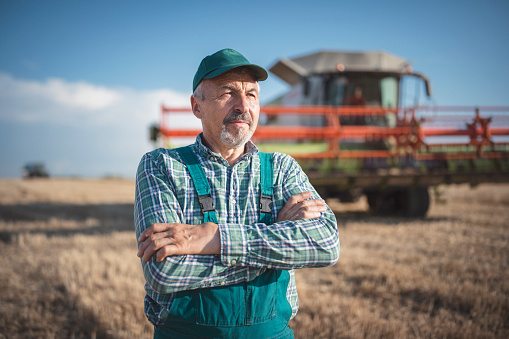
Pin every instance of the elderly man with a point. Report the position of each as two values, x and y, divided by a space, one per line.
221 226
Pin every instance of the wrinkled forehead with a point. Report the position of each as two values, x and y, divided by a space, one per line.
234 78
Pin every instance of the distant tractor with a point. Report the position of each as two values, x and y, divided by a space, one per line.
356 125
35 170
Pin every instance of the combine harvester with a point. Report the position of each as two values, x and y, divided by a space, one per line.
347 121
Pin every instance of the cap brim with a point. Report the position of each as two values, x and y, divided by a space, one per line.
259 73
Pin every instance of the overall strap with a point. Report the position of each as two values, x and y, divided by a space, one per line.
266 187
201 183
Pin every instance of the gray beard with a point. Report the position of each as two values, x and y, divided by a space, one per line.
235 140
238 139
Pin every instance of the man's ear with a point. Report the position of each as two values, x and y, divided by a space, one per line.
195 106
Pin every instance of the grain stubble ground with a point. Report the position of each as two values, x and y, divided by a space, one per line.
70 270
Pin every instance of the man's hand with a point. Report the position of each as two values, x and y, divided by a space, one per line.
297 208
179 239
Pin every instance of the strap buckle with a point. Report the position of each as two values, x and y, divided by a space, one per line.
266 203
206 203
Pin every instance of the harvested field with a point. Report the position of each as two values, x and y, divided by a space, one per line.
70 268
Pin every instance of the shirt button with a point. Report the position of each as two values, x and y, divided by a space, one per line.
233 262
269 266
222 283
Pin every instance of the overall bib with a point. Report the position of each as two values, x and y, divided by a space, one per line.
254 309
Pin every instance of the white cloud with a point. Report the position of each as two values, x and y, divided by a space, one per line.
107 126
78 103
79 95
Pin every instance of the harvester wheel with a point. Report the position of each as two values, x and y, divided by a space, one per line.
414 202
382 203
411 202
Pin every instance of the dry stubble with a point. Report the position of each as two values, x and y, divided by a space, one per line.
70 267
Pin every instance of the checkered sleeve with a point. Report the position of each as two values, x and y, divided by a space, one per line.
288 244
156 202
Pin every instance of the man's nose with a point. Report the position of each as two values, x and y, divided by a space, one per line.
241 103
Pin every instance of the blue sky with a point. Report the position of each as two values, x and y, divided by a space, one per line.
81 81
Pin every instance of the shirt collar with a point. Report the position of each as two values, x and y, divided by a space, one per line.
251 149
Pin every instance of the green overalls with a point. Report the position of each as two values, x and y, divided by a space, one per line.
254 309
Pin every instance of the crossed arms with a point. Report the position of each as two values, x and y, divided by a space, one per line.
178 256
166 239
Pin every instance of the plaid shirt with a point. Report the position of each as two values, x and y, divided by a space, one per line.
165 194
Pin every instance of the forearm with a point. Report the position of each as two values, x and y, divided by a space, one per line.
174 262
167 272
306 241
283 245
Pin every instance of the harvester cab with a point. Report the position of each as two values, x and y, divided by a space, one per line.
351 78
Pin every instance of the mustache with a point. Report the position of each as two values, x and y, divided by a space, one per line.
238 116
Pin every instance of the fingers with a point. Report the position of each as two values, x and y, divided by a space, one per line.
151 245
164 240
297 208
154 228
163 245
157 246
295 199
154 238
308 209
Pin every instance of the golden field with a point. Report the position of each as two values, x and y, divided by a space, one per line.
70 270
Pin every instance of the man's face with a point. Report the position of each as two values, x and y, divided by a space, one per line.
229 109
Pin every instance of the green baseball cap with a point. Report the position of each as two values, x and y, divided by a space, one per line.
224 60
